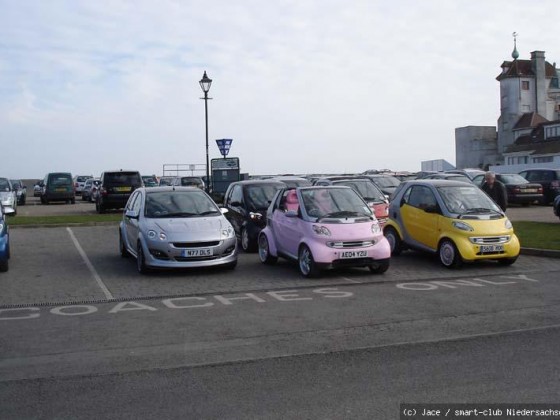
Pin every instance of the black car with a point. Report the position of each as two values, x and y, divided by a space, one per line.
247 202
115 189
21 191
58 186
548 178
519 190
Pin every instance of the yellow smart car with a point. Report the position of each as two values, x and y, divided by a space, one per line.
454 219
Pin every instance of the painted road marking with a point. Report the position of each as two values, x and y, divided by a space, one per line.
455 284
104 289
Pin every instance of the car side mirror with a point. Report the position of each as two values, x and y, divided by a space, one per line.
223 210
131 214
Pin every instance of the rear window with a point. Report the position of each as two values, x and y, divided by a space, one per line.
60 179
82 178
123 178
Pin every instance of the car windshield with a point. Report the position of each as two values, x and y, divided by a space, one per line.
4 185
387 181
83 178
334 203
260 196
512 179
179 204
365 188
467 200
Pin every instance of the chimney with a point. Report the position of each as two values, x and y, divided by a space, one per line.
538 67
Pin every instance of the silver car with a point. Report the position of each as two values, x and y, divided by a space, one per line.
173 227
8 196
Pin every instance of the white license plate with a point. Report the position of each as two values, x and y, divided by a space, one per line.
530 190
491 248
198 252
353 254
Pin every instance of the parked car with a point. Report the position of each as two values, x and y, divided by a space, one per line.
519 190
58 186
453 219
386 183
450 176
38 188
89 192
165 181
189 181
556 206
548 178
79 182
8 196
150 180
322 228
368 190
4 240
470 172
247 203
174 227
115 189
293 181
21 191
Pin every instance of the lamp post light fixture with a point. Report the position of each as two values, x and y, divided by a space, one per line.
205 84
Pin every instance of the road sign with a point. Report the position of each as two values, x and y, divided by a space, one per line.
224 146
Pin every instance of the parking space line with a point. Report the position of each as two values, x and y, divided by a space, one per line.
90 266
350 280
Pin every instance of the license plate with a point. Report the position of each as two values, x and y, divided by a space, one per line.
60 189
530 190
198 252
122 189
353 254
491 248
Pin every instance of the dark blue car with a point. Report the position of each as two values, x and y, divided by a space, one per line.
4 241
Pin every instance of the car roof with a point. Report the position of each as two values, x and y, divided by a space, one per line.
168 188
438 182
259 182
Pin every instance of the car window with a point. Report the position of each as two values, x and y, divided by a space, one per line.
259 196
421 197
333 202
4 185
122 178
131 201
463 199
367 189
60 179
236 194
179 204
512 179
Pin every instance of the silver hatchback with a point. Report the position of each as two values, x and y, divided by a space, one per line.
173 227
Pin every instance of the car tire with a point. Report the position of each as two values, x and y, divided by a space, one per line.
394 240
122 246
380 267
83 197
507 261
246 243
73 201
99 207
307 266
141 260
449 255
4 266
264 251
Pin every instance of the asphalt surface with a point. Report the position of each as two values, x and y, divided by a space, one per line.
85 336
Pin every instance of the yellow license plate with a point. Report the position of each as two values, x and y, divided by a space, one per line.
123 189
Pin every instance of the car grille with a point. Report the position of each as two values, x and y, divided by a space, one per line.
195 244
354 244
490 240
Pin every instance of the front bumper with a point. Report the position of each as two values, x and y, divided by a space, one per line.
330 257
472 252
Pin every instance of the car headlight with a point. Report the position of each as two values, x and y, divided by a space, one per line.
228 233
375 229
508 224
321 230
255 216
463 226
153 235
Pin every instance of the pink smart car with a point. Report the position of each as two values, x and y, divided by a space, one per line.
321 228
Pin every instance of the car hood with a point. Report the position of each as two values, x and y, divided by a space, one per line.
200 228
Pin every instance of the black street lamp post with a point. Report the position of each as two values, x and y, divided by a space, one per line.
205 84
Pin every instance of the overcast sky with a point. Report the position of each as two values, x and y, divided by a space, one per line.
300 86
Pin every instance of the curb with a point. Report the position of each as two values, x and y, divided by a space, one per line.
549 253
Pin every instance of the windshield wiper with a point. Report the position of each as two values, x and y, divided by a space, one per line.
204 213
179 214
342 214
481 210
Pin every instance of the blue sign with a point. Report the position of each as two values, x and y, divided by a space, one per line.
224 146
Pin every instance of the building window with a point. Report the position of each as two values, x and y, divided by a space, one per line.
551 132
543 159
525 84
